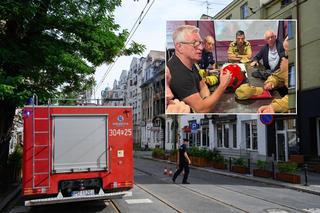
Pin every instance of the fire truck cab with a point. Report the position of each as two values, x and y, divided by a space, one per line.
76 153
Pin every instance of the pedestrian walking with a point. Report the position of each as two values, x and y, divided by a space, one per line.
183 162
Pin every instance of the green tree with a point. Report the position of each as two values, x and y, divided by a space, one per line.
51 48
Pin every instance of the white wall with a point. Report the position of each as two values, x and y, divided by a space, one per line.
261 135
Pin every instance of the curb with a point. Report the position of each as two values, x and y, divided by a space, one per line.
9 197
247 177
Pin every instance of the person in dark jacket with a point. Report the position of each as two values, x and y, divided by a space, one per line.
207 61
183 162
271 54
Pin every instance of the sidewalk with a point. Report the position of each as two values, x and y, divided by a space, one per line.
8 193
313 178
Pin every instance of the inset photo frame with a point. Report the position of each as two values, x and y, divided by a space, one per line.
231 66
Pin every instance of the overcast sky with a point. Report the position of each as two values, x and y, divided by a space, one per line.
151 31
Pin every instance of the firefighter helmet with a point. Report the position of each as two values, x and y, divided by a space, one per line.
237 76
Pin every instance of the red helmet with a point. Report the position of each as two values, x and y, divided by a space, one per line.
237 76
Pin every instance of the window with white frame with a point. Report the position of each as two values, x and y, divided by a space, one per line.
234 135
219 135
292 137
226 135
251 135
205 136
196 138
286 140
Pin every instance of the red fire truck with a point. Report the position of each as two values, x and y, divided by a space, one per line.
76 153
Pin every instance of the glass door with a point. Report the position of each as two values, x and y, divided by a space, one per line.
281 141
281 154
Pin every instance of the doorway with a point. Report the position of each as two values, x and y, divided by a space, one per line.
286 140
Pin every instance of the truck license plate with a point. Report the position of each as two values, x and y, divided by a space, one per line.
82 193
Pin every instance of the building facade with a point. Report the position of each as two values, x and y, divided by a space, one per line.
131 97
153 104
303 131
140 77
235 135
117 95
142 87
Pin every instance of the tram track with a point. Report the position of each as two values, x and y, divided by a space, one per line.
162 200
218 200
115 206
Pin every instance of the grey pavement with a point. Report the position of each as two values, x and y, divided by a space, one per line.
8 193
313 178
237 193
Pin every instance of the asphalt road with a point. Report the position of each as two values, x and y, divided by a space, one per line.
208 192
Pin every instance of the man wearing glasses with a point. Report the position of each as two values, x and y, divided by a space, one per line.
186 84
240 49
271 54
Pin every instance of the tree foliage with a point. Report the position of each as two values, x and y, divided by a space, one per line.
51 47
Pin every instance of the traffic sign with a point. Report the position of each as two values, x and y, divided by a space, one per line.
194 126
266 119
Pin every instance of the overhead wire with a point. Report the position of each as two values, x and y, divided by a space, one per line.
131 33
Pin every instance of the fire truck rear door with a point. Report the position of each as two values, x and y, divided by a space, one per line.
79 143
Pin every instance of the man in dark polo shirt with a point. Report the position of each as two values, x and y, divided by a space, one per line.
186 83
